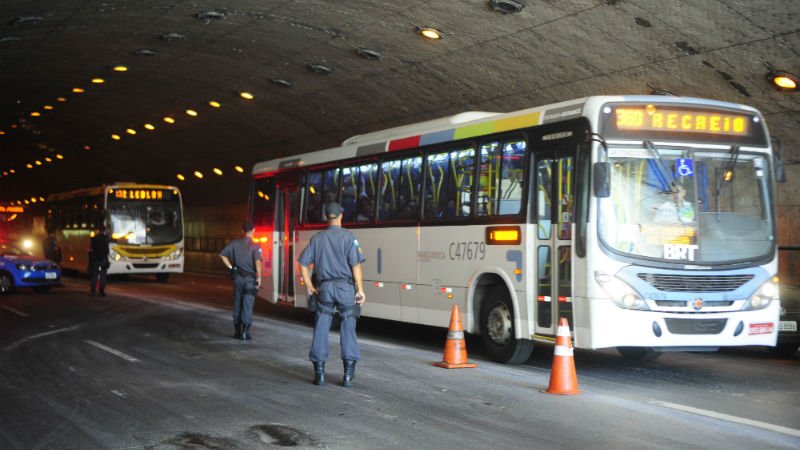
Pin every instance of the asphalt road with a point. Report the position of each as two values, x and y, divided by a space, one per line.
153 366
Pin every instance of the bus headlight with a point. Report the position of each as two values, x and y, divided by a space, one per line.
176 253
620 292
114 255
762 297
27 244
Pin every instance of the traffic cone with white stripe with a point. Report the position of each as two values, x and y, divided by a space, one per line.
455 349
563 379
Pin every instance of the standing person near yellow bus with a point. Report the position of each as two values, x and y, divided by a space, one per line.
337 258
98 261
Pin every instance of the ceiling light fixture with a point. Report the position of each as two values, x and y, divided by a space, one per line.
120 68
217 171
191 112
430 33
48 107
2 132
48 159
87 147
281 82
215 104
784 80
368 54
78 90
116 137
246 95
181 177
35 114
507 6
169 120
38 163
149 126
98 80
321 69
61 99
59 156
198 174
238 169
131 131
29 166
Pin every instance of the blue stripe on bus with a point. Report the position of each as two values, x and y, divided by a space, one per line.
437 137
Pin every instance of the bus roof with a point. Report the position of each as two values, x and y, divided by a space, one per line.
98 190
466 125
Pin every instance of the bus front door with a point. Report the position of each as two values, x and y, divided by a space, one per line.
285 219
553 210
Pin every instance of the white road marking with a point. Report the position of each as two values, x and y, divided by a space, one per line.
15 311
111 350
37 336
741 420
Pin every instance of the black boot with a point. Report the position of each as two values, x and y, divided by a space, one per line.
238 330
319 373
349 372
246 332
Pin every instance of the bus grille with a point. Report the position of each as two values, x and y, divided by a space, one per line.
695 326
695 283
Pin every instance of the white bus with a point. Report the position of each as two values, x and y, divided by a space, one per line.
556 211
144 222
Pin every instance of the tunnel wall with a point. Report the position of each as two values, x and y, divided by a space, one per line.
208 229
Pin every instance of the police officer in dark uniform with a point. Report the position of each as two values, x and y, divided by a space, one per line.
50 247
337 258
98 261
243 258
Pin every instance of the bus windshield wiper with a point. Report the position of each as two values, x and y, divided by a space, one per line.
724 175
663 174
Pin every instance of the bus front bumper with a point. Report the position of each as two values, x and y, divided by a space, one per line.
611 326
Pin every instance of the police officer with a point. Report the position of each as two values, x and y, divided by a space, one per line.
50 247
337 258
243 258
98 261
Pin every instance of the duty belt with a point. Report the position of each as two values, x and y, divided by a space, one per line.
334 280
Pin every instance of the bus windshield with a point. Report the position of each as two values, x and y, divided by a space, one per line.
142 222
688 205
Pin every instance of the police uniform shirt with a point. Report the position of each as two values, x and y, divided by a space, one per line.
243 254
98 246
333 252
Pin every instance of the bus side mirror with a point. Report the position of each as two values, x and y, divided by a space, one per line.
601 177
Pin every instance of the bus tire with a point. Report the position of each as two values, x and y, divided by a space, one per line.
41 289
638 353
162 277
6 283
497 329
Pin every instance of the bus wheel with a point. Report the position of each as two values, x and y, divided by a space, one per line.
638 353
6 283
41 289
497 329
162 277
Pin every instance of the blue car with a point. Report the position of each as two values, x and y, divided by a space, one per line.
21 269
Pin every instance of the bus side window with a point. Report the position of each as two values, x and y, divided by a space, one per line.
448 184
262 207
400 184
436 175
500 178
314 198
358 192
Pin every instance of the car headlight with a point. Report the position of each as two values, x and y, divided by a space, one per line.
114 255
620 292
763 296
24 267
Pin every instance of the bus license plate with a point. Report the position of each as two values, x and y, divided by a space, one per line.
50 275
787 325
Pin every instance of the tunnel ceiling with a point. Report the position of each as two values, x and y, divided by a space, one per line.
321 71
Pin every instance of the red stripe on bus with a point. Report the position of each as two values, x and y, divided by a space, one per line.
402 144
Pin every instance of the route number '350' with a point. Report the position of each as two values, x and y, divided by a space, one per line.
467 250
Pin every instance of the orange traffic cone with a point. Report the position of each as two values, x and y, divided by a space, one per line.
455 349
563 379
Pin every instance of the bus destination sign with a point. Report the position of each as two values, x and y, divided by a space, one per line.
650 118
141 194
686 123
